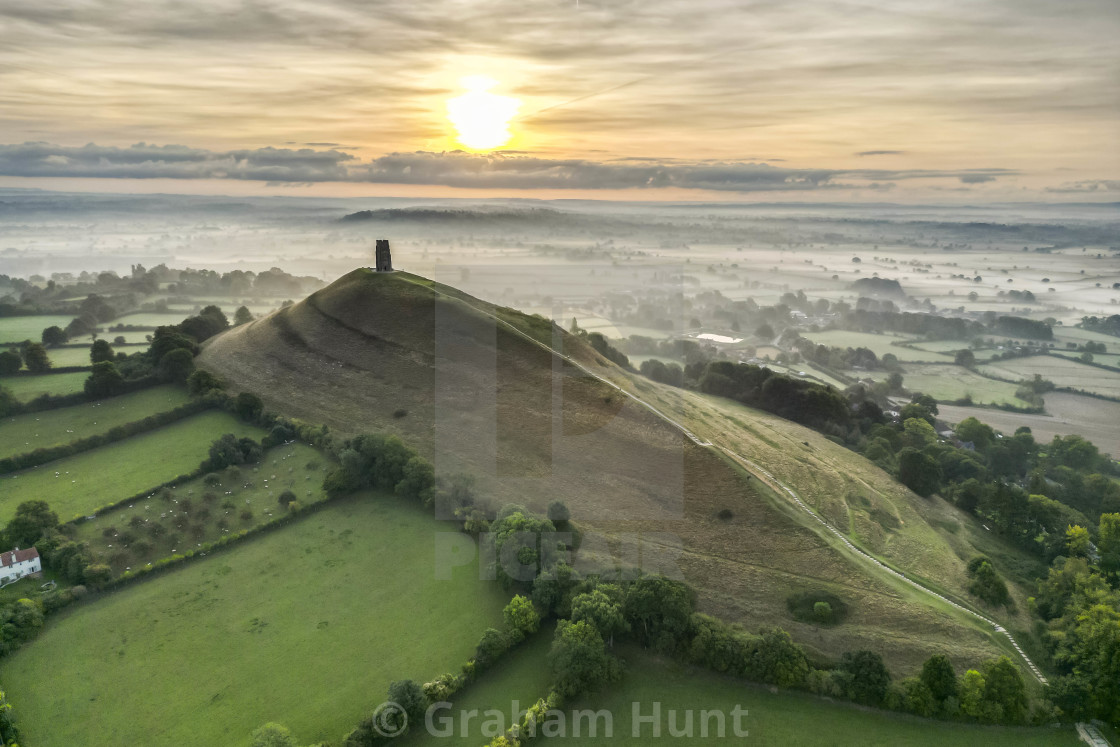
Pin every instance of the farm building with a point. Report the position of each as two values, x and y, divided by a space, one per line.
16 564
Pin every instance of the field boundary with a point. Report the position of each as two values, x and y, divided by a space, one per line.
43 455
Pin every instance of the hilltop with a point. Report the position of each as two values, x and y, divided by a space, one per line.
485 389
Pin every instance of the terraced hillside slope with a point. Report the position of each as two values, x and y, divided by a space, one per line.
460 380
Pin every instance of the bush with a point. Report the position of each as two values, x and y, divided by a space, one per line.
806 607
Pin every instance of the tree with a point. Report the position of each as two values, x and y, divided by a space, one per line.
939 676
865 677
987 584
36 359
8 402
201 381
272 735
965 358
410 697
285 498
1108 539
54 336
1077 541
242 316
490 647
177 365
558 513
659 611
32 520
10 362
100 351
248 406
230 450
104 380
1004 689
918 472
776 659
579 659
822 611
521 616
601 611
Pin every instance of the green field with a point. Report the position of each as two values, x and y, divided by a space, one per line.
40 430
878 344
27 388
146 319
1062 371
1081 336
1104 359
77 485
193 513
522 676
949 383
942 346
138 337
773 717
306 626
20 328
71 355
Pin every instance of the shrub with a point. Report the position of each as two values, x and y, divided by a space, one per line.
805 606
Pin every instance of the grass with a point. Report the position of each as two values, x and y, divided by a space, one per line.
27 388
359 349
306 626
878 344
148 319
78 355
773 717
20 328
1062 371
522 676
874 510
949 383
196 512
40 430
80 484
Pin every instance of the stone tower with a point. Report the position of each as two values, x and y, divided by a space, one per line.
383 261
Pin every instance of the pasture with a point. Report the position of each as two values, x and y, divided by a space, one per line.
20 328
306 626
1077 414
41 430
202 510
772 717
83 483
1062 371
949 383
27 388
878 344
522 675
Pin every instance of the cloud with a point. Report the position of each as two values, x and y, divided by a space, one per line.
144 161
880 152
1091 185
499 170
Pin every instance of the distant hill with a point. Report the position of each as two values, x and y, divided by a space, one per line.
475 216
461 380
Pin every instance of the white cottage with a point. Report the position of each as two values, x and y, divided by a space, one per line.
16 564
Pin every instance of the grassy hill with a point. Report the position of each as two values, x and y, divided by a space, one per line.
450 375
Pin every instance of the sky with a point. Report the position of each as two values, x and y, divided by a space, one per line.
895 100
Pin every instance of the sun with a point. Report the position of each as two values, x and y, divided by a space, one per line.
481 118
